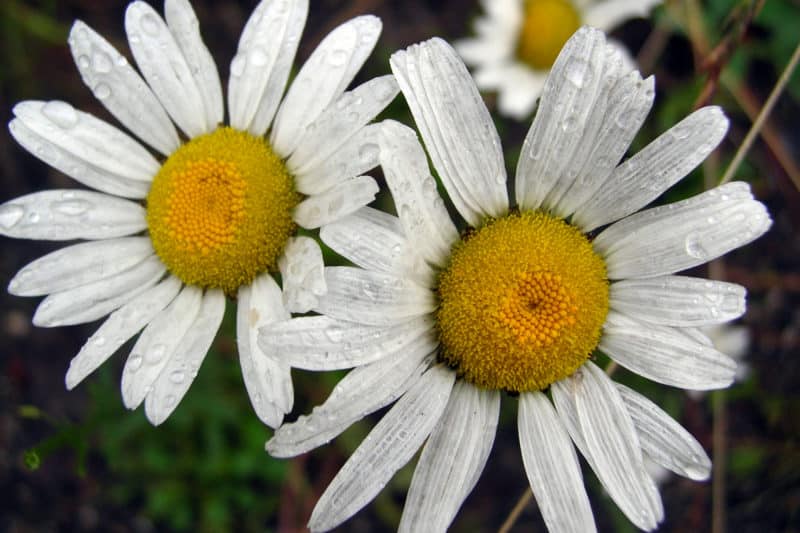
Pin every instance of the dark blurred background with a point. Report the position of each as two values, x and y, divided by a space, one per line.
78 461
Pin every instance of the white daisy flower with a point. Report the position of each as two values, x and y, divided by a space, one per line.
212 210
441 322
518 40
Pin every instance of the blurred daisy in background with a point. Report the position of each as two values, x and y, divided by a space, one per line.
203 211
518 40
440 322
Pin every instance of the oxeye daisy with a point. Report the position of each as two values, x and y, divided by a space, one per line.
517 42
206 211
442 322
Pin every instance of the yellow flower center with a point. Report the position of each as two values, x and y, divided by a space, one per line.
522 303
547 26
220 210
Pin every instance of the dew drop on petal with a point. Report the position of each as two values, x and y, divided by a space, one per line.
135 362
150 24
10 215
83 61
337 58
694 246
102 91
101 62
72 208
369 152
156 353
237 65
578 72
177 376
258 56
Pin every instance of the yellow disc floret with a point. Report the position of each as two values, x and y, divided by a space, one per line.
546 27
220 210
522 303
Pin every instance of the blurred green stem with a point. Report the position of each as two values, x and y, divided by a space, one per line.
762 117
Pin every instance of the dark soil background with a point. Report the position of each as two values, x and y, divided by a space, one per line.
77 461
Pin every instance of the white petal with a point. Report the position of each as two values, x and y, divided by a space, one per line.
674 237
678 300
663 439
374 240
456 126
517 95
174 380
610 439
389 446
262 63
452 460
654 169
67 214
339 201
185 28
569 95
373 298
161 61
157 344
268 380
340 121
302 276
356 156
421 209
664 355
361 392
323 77
79 264
97 299
552 466
609 14
626 107
85 148
120 326
322 343
120 89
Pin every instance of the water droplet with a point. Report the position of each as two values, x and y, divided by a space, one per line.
337 58
258 56
694 246
177 376
396 249
98 340
102 91
34 217
135 362
680 131
156 353
569 123
578 72
369 152
101 62
83 61
72 208
369 291
237 65
10 214
150 24
169 400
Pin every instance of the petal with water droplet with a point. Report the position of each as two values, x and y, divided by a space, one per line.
78 265
120 326
125 94
185 29
340 121
63 215
257 83
335 203
95 300
180 370
322 79
164 66
156 345
267 379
